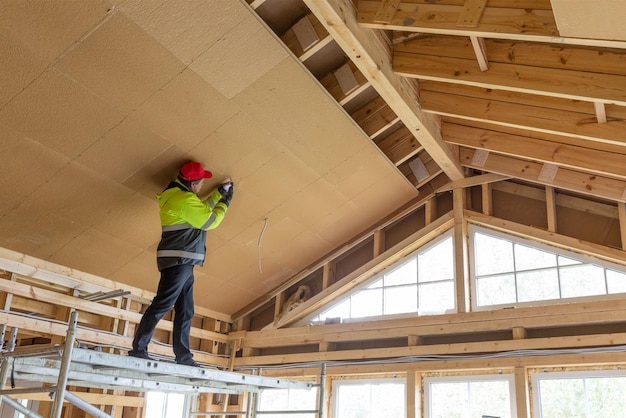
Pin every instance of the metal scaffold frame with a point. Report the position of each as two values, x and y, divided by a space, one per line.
70 366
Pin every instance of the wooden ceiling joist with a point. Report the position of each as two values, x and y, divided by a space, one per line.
527 114
560 71
509 19
573 157
589 184
369 54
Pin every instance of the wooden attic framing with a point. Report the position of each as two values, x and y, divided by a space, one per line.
503 113
587 333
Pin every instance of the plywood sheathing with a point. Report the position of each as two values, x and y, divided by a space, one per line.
101 101
604 19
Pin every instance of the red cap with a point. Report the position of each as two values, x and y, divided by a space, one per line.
193 171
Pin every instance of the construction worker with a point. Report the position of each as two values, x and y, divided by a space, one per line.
185 218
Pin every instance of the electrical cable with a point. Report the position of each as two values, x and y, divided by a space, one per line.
259 244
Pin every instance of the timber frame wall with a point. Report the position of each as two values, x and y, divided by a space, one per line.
38 296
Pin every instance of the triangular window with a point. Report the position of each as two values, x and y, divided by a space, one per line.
510 271
422 282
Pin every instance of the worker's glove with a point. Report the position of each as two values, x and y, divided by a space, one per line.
226 190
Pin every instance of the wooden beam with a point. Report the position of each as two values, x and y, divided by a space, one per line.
550 238
461 267
557 120
473 181
551 208
385 12
497 22
563 155
587 184
366 51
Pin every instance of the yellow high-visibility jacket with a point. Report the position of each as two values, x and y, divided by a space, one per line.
185 218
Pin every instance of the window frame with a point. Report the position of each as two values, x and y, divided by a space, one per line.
314 319
508 376
588 259
536 376
362 381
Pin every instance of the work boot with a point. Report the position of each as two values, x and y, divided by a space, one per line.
140 354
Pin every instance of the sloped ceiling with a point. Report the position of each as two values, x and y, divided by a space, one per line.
101 101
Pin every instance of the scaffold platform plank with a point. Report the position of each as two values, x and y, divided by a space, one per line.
94 369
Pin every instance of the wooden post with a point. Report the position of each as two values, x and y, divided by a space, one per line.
551 208
460 252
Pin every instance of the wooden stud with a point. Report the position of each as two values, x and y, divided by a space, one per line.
413 398
460 252
551 208
521 392
328 274
621 210
430 210
379 242
486 197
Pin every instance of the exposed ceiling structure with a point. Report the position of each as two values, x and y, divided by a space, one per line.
327 115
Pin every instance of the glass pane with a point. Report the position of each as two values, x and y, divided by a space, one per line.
566 261
562 398
606 396
495 290
527 258
582 280
353 401
367 303
449 400
339 311
155 404
436 298
616 281
404 274
175 405
400 299
490 398
437 263
537 285
274 400
302 399
387 401
492 255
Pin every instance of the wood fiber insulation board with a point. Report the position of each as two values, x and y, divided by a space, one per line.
595 19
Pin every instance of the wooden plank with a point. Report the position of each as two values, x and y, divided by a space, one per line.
587 184
556 82
366 50
385 12
522 24
58 299
578 341
565 57
546 120
471 13
400 146
573 157
375 117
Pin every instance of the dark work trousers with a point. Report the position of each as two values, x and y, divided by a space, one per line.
175 289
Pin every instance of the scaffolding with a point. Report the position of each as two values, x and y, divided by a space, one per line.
69 365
